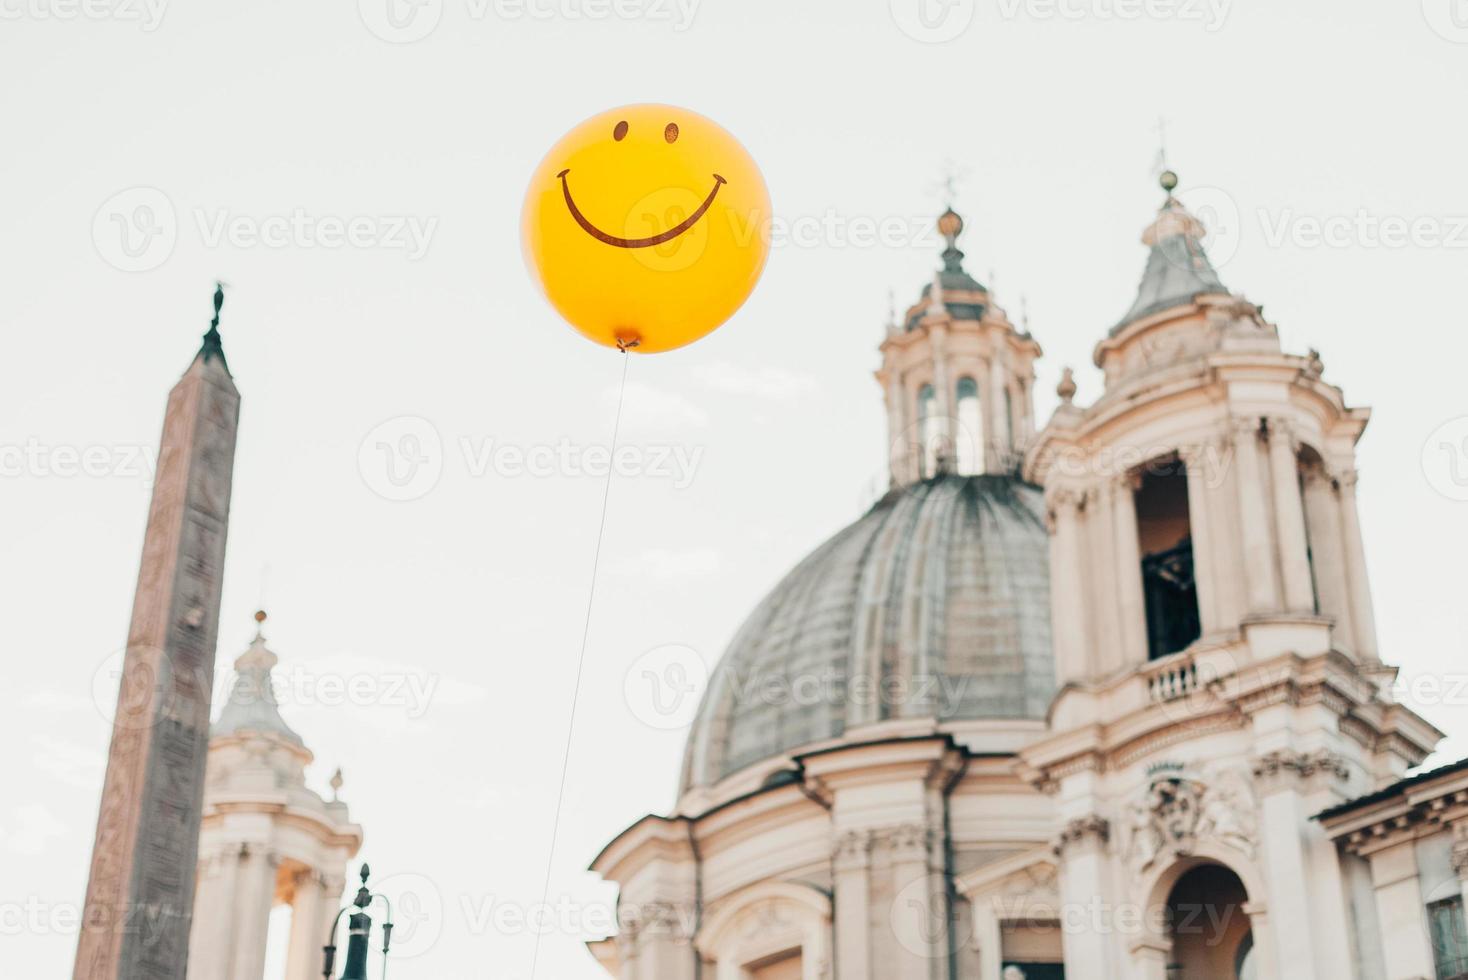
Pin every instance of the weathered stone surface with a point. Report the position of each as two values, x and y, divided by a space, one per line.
141 886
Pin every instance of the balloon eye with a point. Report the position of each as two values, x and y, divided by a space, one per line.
671 133
620 131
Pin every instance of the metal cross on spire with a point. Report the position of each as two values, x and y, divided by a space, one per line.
947 184
1160 164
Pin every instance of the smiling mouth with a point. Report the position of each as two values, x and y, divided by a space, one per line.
658 239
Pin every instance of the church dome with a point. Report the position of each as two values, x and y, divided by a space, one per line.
935 604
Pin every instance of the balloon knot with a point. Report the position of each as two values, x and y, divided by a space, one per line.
625 345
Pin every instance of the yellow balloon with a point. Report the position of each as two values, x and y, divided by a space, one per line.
647 227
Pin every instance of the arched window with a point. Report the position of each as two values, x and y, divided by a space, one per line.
930 433
969 439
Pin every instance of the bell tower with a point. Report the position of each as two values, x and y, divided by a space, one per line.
958 377
266 839
1208 494
1211 621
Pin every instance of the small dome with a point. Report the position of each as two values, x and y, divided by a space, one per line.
935 604
252 706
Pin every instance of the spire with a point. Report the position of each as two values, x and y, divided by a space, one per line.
212 346
1177 266
252 704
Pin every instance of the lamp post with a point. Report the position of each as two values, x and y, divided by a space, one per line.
359 930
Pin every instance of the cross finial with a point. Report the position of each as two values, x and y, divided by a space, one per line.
1161 144
947 184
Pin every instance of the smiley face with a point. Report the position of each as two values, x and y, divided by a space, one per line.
647 227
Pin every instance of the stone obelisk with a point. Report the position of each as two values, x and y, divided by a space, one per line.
140 892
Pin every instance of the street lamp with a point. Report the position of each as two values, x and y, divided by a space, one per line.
359 929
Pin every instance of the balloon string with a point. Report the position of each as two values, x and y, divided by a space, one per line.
581 660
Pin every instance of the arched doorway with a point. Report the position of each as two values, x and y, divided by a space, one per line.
1209 928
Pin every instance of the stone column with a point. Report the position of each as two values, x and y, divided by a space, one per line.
1131 605
1460 857
303 957
1327 547
851 866
1082 852
333 898
1205 551
900 436
252 914
920 919
1068 595
1264 945
1002 432
1259 568
1284 824
1289 513
989 937
1400 911
1026 407
1221 512
942 392
1362 614
211 936
1100 529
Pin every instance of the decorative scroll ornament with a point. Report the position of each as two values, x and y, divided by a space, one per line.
1178 810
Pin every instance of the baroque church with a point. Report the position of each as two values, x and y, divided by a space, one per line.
1102 698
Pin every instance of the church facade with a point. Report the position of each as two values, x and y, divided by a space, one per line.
1097 699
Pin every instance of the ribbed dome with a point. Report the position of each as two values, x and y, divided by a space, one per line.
934 604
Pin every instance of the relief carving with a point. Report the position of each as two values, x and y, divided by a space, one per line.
1178 810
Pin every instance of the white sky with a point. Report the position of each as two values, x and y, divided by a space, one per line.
1307 111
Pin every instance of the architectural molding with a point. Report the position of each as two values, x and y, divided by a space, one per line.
1089 833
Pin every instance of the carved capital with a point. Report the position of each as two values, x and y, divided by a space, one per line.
1283 429
910 841
1083 833
1128 481
1460 860
853 851
1062 502
1242 427
655 920
1288 765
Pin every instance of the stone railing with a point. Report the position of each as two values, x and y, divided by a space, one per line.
1172 677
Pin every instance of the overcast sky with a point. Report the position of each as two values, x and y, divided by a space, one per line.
151 148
